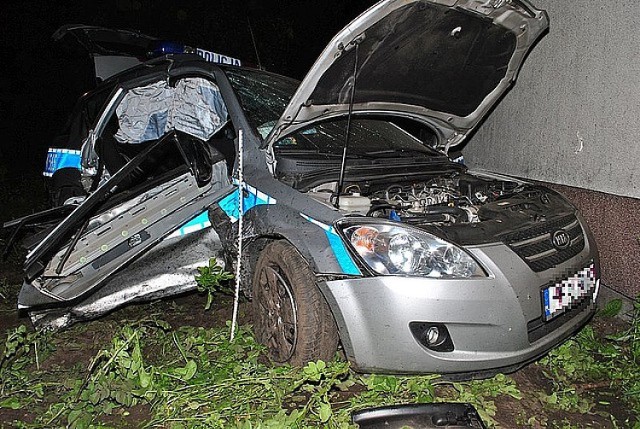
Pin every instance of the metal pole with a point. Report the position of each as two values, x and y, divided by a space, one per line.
236 297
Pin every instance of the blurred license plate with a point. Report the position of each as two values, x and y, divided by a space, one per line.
569 293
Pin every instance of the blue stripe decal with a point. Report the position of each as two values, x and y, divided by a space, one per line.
341 253
253 198
198 223
61 158
229 205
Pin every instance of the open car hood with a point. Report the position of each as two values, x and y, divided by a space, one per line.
441 62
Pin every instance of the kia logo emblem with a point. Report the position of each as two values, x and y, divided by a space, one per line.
560 239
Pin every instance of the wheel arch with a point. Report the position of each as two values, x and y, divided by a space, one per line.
250 259
252 251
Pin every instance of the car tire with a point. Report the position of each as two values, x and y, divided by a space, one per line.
291 317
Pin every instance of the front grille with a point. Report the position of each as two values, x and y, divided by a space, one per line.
535 247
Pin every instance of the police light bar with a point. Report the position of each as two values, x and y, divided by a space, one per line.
164 48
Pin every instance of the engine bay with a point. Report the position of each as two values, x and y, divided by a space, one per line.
455 199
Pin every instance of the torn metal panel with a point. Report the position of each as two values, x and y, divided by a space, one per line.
424 416
166 270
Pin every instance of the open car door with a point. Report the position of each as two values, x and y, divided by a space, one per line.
135 209
154 180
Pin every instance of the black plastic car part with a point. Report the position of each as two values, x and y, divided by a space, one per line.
33 221
418 416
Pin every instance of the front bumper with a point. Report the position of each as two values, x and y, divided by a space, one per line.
487 318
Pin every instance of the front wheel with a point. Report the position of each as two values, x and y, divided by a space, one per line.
291 317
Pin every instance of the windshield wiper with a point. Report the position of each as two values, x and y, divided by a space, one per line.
282 151
400 153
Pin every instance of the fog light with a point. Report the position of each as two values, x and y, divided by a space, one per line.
434 336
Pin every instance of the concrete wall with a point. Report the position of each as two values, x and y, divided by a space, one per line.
573 119
574 114
615 224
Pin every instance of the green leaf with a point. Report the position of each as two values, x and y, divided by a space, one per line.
164 325
325 412
346 384
312 372
73 416
382 383
136 364
145 378
209 280
94 397
188 371
612 308
121 397
11 403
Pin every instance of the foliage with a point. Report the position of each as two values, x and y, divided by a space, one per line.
590 361
22 349
203 379
210 280
195 377
481 393
209 382
612 308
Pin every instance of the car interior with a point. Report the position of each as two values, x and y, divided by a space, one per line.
189 109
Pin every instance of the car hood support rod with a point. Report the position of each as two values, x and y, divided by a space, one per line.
343 165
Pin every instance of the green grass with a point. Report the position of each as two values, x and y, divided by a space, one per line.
196 377
592 361
146 373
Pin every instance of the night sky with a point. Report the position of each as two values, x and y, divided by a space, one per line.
39 84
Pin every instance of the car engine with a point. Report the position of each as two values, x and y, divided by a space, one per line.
439 200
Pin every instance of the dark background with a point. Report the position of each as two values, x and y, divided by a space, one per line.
39 85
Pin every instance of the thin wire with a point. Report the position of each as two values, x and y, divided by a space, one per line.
255 47
236 296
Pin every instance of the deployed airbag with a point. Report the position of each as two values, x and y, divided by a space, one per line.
194 106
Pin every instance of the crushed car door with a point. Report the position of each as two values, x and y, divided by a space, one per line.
170 173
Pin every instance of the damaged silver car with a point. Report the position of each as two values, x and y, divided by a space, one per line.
358 229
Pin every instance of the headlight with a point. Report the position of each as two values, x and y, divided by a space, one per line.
393 249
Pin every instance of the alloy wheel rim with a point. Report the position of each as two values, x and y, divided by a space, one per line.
278 315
